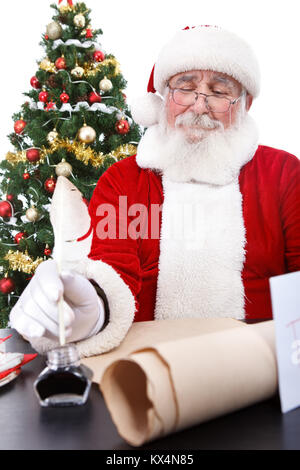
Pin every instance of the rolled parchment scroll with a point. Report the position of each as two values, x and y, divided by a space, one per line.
169 375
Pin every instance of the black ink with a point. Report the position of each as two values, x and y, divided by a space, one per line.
64 382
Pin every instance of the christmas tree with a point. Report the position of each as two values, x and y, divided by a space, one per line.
75 122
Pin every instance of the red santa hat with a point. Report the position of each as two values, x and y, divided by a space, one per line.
197 48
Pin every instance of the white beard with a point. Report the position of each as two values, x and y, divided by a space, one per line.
216 159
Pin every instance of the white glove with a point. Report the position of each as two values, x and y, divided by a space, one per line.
36 312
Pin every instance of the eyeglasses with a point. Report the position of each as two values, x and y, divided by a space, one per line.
214 103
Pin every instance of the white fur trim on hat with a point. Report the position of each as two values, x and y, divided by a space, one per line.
208 48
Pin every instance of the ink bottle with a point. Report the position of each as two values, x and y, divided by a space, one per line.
64 382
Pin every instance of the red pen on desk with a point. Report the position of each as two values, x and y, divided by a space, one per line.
4 339
11 363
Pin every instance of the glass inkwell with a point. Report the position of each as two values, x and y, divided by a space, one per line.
64 382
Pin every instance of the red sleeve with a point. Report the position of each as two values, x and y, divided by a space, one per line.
290 212
109 226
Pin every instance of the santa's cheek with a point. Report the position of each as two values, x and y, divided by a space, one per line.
173 111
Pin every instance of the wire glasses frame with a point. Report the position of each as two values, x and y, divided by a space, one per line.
214 103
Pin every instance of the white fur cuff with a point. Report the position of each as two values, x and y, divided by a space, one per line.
121 305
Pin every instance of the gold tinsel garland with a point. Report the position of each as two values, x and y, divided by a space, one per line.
87 155
19 261
18 157
89 68
81 151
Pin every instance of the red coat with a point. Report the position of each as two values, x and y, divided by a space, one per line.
270 188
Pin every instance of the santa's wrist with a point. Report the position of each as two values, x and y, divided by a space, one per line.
103 318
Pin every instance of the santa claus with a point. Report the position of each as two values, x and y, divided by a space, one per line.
210 214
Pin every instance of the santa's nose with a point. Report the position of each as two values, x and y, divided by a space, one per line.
200 107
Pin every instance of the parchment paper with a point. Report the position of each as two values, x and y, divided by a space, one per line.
172 374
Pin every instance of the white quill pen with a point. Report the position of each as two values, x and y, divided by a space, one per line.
71 224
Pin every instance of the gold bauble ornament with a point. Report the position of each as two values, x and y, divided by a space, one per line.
105 84
87 134
32 214
77 72
63 169
54 30
47 65
64 9
52 136
79 20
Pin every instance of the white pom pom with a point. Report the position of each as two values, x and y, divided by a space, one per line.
145 110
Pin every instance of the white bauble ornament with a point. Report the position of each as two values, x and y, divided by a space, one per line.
79 20
52 136
54 30
87 134
77 72
105 84
63 169
32 214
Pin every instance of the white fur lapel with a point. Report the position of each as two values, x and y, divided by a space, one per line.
202 252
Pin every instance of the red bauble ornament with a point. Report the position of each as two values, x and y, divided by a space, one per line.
94 98
43 96
46 37
47 251
35 83
33 155
99 56
7 285
5 209
50 184
26 176
64 98
89 33
60 63
19 126
122 126
10 197
19 237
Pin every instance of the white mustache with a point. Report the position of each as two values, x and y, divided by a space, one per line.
200 120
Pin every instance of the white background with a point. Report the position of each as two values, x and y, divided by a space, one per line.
134 32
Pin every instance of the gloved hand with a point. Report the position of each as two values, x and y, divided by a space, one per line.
36 312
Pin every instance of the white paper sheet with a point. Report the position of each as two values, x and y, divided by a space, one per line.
285 294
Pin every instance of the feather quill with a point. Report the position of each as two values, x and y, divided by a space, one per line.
71 221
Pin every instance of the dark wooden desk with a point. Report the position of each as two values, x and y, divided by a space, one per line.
25 425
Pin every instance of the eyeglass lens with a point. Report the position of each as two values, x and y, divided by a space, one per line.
188 98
